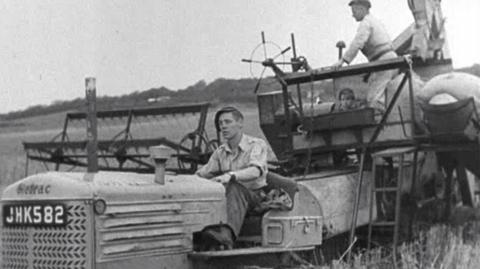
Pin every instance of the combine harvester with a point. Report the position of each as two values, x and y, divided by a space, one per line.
358 179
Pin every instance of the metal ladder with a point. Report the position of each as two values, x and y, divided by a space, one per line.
397 161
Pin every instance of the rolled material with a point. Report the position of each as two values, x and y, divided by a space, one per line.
457 85
449 103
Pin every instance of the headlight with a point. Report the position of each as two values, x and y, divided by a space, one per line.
99 206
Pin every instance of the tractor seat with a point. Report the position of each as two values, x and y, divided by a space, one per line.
252 225
276 181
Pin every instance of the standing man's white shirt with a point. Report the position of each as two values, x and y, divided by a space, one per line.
371 38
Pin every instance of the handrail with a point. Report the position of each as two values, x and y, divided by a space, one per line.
329 73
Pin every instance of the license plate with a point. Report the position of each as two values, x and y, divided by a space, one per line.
31 214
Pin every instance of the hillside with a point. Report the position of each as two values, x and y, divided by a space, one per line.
474 70
220 91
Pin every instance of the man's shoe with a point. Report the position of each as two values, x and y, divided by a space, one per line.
222 236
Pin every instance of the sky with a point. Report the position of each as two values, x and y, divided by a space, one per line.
49 47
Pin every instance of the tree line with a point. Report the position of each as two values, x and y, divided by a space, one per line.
217 92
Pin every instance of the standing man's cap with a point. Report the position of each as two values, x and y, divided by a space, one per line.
365 3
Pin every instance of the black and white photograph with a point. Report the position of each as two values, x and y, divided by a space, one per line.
240 134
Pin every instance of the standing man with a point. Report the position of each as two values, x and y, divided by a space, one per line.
374 42
240 164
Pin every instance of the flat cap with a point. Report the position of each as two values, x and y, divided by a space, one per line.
365 3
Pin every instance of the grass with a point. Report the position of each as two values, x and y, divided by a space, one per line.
442 246
12 156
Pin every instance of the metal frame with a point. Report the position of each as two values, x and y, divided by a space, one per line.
295 78
404 64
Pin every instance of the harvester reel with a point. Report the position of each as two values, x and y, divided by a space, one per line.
200 149
212 145
121 156
135 131
117 147
57 155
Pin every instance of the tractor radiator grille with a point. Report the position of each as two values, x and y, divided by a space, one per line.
15 248
51 247
143 229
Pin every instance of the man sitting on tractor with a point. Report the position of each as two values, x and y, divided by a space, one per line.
240 164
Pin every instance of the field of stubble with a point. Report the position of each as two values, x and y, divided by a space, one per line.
440 247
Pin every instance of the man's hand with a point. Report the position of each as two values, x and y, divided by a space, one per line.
224 179
338 64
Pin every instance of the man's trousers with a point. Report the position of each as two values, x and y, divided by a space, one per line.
239 201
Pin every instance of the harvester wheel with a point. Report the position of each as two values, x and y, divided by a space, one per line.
212 145
200 150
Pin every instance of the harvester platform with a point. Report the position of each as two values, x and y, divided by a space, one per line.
124 137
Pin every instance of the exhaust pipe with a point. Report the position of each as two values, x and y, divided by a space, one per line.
92 142
160 155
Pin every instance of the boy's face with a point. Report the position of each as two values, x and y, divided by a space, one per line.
346 100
